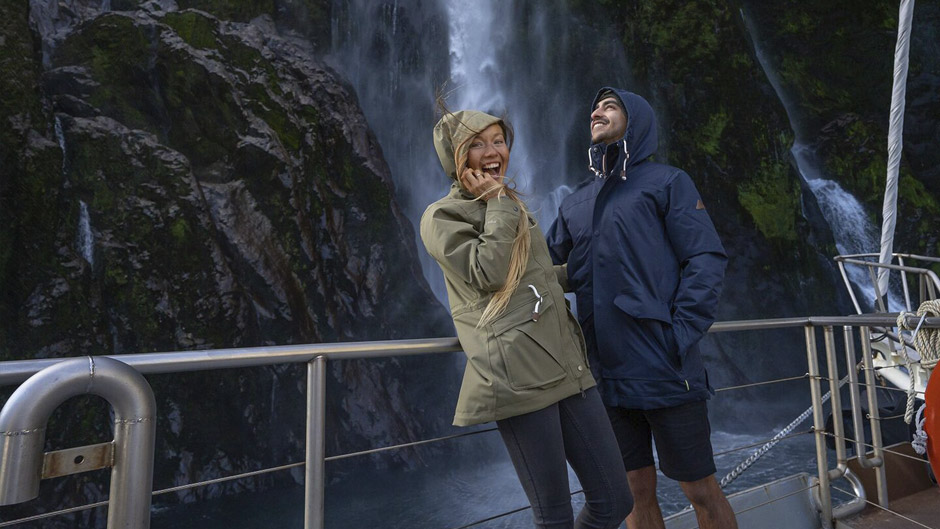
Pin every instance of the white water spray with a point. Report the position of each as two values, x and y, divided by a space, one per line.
85 240
61 137
851 227
495 56
489 73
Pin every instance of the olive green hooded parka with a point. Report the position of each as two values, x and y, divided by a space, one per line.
520 362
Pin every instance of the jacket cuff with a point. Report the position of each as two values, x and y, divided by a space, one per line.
561 274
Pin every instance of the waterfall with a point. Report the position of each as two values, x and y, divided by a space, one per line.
85 241
60 136
851 227
392 54
505 59
499 57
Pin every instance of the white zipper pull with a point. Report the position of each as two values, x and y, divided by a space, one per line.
626 158
538 303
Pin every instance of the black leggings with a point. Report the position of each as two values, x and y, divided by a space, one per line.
578 431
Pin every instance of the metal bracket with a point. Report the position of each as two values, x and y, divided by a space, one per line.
77 460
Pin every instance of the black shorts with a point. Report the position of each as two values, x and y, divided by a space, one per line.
682 435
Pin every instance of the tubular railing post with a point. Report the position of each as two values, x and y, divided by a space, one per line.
856 400
845 277
879 297
315 481
836 401
838 427
23 424
907 291
874 418
819 427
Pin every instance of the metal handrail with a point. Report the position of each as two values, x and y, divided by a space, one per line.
900 255
926 290
16 371
316 356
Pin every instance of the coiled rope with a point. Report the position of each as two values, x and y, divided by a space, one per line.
926 343
919 442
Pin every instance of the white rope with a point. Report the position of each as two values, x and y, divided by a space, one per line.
919 442
926 343
895 140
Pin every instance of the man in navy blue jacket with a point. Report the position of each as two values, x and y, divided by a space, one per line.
646 266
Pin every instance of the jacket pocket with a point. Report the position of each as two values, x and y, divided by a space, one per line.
656 318
525 347
643 310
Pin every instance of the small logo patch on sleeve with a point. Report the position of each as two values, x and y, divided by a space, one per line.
699 204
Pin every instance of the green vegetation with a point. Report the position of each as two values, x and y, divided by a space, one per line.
772 199
115 49
30 167
708 136
914 193
197 30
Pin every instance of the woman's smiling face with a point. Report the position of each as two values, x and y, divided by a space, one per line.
489 152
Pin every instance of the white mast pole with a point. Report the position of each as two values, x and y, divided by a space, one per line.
895 141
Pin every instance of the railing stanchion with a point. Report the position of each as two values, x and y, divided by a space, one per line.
856 399
315 482
874 418
819 425
838 427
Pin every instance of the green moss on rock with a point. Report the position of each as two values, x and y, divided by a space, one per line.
772 199
114 48
197 30
708 136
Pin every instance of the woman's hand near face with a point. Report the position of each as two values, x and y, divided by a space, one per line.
480 184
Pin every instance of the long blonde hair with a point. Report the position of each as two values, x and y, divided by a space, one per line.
521 244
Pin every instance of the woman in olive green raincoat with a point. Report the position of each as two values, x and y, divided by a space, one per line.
526 363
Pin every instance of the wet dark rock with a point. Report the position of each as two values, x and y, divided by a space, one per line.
220 188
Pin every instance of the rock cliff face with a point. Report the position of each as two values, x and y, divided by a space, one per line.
837 61
724 122
172 181
185 174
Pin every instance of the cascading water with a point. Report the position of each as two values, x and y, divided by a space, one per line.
85 240
484 74
500 57
851 227
60 136
54 19
392 53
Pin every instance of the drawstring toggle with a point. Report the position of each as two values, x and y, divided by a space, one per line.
538 303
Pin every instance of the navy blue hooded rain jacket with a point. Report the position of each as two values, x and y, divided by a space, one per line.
646 265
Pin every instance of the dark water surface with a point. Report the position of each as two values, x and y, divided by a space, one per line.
454 491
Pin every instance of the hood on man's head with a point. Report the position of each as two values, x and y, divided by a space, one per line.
642 133
452 132
604 93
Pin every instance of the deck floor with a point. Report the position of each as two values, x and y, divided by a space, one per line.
921 507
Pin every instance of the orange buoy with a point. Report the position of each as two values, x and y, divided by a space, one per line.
932 423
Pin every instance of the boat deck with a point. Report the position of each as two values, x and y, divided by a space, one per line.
913 498
921 507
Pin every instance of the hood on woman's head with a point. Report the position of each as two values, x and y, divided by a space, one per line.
452 132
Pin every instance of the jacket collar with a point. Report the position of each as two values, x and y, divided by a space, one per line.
606 160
